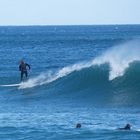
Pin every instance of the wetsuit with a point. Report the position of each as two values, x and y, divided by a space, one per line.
23 69
127 127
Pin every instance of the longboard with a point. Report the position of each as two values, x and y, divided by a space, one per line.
11 85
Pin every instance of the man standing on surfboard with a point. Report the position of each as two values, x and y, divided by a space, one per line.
23 68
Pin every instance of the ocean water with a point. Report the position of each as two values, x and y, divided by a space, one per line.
79 74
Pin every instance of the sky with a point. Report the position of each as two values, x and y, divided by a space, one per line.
69 12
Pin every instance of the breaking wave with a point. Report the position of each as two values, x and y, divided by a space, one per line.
118 58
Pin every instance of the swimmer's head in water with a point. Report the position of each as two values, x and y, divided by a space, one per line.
78 125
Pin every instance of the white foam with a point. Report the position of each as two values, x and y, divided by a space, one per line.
138 130
49 77
119 58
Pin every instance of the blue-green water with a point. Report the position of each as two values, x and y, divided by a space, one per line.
79 74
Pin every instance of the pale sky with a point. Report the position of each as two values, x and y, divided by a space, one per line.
69 12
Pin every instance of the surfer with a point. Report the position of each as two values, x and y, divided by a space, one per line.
23 68
127 127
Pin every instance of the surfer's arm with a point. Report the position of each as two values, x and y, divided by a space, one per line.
19 67
28 66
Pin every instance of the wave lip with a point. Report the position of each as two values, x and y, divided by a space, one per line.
119 57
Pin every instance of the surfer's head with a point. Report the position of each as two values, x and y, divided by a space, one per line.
78 125
21 61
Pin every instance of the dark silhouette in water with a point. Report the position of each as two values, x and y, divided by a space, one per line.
23 68
127 127
78 125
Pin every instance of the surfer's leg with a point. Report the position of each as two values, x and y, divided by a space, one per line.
26 74
21 77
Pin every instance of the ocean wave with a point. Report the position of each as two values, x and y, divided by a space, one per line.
118 57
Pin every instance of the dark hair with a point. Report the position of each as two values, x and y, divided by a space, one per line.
78 125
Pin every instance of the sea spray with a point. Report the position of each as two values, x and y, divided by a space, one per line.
119 57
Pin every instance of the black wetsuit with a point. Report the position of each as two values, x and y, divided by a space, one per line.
127 127
23 69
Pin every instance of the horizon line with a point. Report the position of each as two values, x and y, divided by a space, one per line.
71 24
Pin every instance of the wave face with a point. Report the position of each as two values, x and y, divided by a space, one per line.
113 76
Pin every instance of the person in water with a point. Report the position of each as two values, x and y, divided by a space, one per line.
78 125
23 68
127 127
